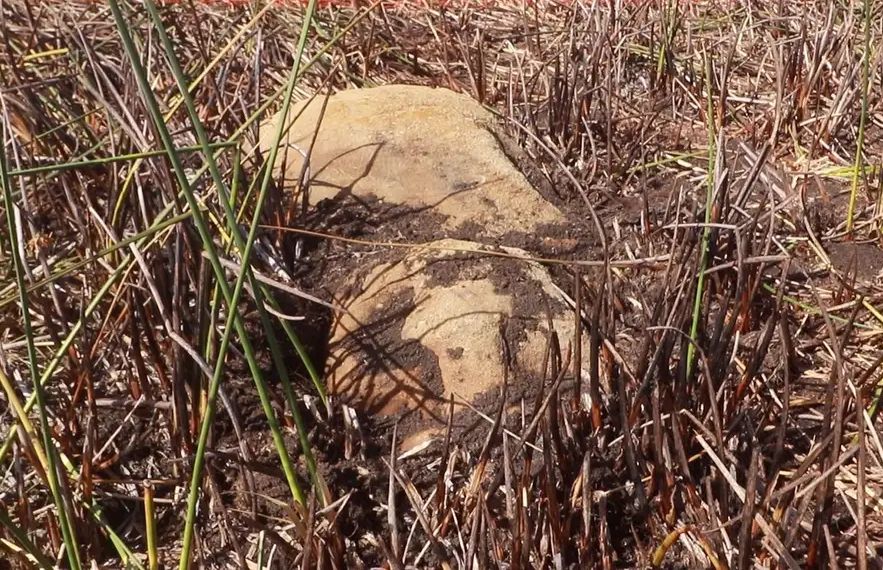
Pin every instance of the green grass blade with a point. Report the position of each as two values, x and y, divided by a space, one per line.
243 245
78 164
859 172
72 548
232 222
231 298
23 541
72 267
706 230
68 341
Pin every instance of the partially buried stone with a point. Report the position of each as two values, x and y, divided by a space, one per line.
429 164
433 324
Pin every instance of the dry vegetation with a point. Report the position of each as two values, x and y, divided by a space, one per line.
725 155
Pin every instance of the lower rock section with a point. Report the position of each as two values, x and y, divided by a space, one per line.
438 323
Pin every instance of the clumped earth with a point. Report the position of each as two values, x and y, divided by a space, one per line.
697 159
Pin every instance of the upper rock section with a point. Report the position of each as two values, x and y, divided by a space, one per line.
432 150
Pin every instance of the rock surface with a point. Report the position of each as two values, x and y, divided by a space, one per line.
421 165
429 149
433 324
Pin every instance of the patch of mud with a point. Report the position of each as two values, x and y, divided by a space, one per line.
862 260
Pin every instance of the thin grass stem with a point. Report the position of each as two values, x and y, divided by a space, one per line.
72 547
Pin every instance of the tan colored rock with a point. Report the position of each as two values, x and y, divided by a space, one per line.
429 149
432 324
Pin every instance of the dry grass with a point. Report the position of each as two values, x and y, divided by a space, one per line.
742 426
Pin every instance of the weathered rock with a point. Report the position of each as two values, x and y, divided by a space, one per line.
428 149
433 324
416 164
